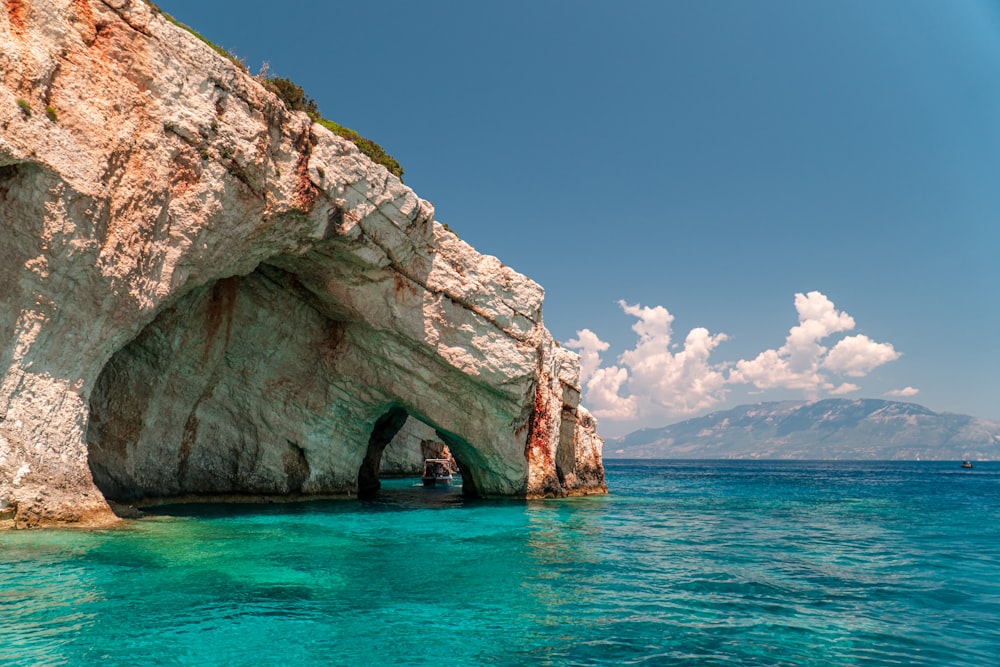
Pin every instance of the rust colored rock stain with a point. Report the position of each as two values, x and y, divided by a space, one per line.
17 14
190 436
221 305
123 53
329 344
305 192
541 425
84 19
185 171
403 289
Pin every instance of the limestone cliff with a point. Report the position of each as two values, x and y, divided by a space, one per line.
202 292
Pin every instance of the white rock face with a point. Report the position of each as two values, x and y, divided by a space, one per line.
202 293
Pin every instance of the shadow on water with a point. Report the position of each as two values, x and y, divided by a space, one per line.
397 494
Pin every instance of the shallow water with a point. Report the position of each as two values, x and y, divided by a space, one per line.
686 563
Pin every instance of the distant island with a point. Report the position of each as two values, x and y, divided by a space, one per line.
830 429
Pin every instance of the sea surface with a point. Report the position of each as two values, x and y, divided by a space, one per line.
685 563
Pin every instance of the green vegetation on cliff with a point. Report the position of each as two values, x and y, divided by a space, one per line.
225 53
296 99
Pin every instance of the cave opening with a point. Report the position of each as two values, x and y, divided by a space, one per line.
243 388
385 429
398 446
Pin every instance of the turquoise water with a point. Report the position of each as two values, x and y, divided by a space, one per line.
686 563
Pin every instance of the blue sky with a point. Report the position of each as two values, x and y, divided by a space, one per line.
668 167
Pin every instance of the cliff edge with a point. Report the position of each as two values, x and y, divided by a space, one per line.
203 293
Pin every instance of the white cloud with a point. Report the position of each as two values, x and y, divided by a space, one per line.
796 364
660 378
905 392
658 382
856 356
604 397
669 383
654 323
802 361
603 385
590 348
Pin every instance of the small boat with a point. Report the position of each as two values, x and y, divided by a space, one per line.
437 472
966 464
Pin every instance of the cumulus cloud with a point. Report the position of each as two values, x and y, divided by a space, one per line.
659 378
590 348
679 383
797 363
905 392
657 381
856 356
604 395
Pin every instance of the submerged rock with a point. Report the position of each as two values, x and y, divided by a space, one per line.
204 293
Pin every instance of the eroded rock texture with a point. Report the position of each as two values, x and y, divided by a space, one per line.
202 293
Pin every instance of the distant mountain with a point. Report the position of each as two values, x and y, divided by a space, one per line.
827 429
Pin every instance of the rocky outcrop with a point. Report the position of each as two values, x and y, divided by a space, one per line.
202 293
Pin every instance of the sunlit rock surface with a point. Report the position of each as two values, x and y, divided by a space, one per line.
202 293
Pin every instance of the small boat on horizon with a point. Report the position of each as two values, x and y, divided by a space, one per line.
437 472
966 464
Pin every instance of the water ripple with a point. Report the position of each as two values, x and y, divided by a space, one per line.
687 563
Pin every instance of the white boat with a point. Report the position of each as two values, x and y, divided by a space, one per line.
966 464
437 472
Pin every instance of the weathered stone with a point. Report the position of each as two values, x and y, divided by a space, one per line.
202 293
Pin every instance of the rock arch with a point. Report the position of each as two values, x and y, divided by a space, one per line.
244 387
385 429
392 423
205 293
